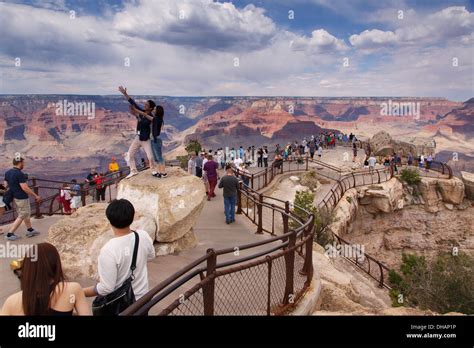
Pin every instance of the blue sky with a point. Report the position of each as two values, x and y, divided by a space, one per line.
204 47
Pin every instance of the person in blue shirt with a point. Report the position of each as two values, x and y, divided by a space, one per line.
17 183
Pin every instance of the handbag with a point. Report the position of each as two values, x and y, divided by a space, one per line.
121 298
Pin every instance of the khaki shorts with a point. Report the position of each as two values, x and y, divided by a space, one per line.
23 208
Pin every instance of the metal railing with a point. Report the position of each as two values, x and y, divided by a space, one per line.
262 278
49 190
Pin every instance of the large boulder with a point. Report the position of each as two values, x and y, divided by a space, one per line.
383 144
344 213
80 236
385 197
468 180
434 191
175 202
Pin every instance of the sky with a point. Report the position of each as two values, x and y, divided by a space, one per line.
328 48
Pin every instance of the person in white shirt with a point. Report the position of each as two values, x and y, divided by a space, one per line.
204 174
238 162
372 162
115 257
192 165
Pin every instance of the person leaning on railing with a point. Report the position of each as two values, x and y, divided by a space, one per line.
278 161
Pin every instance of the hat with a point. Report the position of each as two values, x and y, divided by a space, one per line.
18 157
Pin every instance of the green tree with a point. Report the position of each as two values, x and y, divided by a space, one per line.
410 176
444 285
304 204
193 146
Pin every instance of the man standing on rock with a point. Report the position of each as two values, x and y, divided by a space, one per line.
230 184
16 182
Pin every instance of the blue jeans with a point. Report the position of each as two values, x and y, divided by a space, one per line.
229 208
156 145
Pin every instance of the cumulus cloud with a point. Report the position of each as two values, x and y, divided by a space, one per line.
439 27
197 23
197 55
320 41
373 38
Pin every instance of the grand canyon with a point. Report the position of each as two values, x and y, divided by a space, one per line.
63 146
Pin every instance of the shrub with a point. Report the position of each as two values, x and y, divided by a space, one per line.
310 180
444 285
304 203
193 146
410 176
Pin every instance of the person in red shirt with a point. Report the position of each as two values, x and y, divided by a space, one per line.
211 170
100 187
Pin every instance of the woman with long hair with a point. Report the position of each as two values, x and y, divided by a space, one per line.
43 288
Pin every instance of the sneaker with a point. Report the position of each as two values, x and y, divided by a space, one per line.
132 173
12 237
30 234
156 175
164 175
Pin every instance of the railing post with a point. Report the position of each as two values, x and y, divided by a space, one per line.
83 195
37 204
260 215
266 177
239 199
307 163
251 182
290 271
353 177
381 275
378 173
308 260
285 217
208 288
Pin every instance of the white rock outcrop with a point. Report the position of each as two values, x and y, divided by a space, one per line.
175 202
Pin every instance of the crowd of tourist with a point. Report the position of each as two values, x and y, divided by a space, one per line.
44 290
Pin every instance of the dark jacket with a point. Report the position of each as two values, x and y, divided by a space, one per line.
156 126
143 124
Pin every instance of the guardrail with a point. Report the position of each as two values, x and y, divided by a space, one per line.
268 281
49 190
271 275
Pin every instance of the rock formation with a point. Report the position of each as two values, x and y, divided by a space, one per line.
468 180
167 209
174 203
392 218
383 144
80 237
